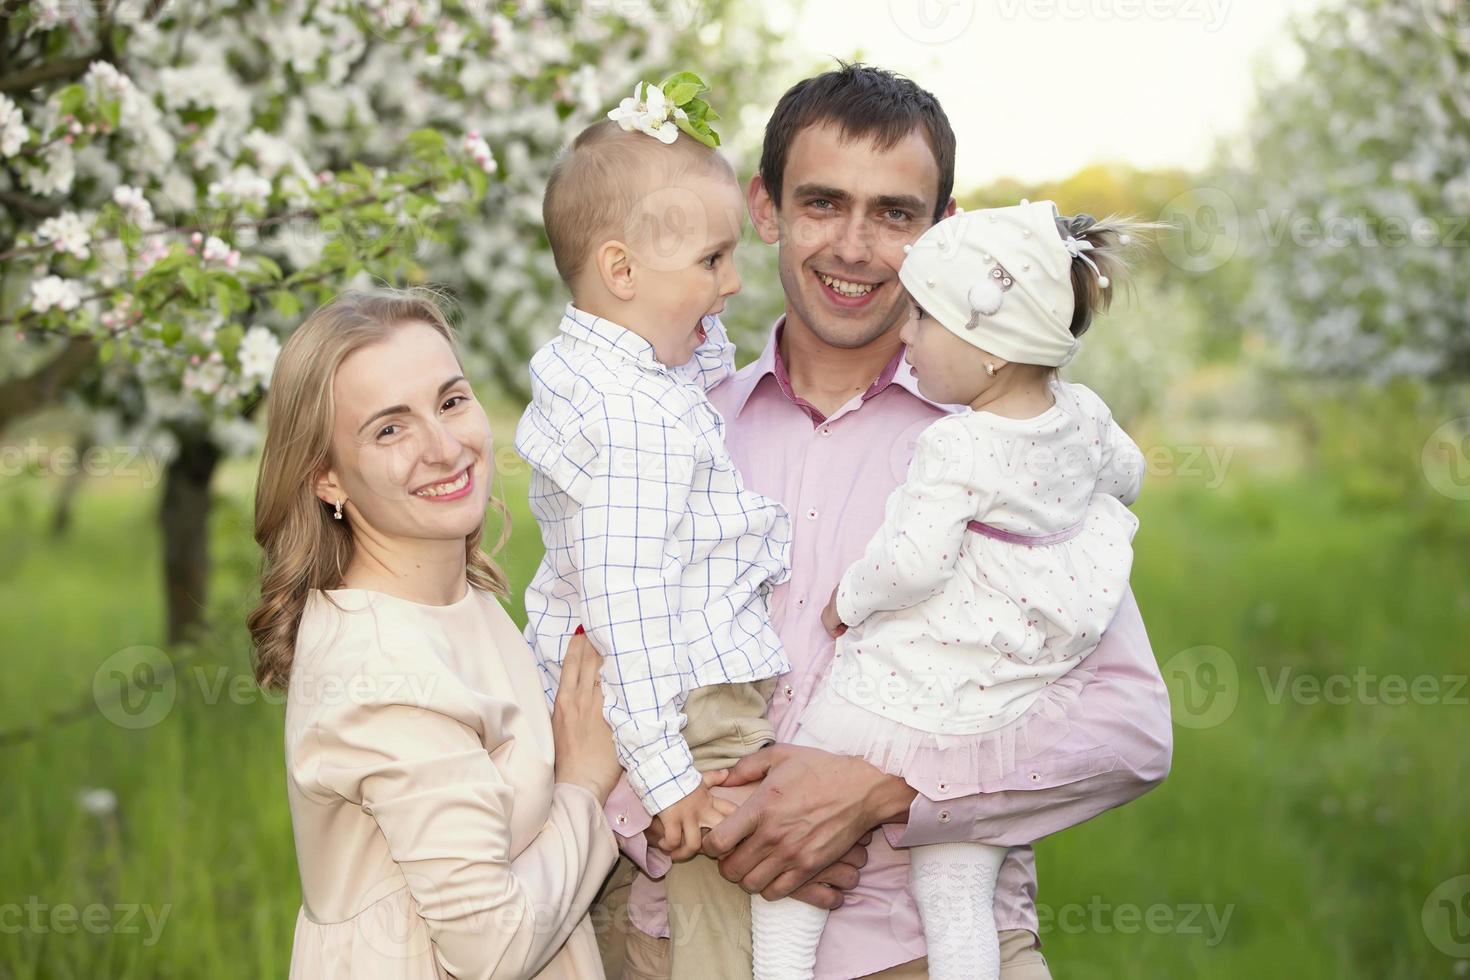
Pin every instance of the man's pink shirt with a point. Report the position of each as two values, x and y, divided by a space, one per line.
834 474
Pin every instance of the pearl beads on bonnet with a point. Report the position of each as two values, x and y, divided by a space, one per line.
1000 279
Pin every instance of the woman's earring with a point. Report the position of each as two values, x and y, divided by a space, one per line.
338 514
990 369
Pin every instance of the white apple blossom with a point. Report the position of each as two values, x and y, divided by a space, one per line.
134 204
68 233
13 133
647 111
303 46
56 172
48 14
585 88
479 151
204 378
241 186
258 352
54 292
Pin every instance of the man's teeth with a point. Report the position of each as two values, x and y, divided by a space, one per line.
439 489
847 288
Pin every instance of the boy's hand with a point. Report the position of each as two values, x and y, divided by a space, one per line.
832 622
684 823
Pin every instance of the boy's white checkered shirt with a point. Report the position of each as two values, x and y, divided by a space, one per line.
653 544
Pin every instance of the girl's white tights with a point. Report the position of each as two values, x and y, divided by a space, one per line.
785 933
954 885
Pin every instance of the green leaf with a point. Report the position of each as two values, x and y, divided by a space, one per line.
680 94
286 303
109 348
268 265
193 279
700 132
71 99
478 180
227 340
170 332
686 83
425 144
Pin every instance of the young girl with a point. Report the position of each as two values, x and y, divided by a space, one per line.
1000 562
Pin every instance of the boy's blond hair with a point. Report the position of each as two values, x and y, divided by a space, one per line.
599 182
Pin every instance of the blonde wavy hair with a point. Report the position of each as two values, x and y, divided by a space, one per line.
303 547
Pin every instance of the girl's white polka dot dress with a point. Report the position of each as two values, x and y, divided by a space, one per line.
1001 560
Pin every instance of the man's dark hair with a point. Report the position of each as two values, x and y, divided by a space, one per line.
862 101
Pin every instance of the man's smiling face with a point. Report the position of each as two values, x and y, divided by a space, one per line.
848 207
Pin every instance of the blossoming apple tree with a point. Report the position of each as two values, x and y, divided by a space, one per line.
182 179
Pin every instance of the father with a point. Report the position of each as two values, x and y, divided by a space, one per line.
857 162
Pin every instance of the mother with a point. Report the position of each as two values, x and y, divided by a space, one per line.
446 823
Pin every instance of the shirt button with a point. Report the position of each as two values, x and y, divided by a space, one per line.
622 818
944 816
943 787
788 692
801 601
811 515
826 430
1036 777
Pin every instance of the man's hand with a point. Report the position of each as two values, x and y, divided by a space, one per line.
831 621
682 825
828 889
809 810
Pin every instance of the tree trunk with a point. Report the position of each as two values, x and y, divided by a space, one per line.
67 495
184 517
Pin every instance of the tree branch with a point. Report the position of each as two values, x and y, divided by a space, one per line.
50 71
21 396
32 206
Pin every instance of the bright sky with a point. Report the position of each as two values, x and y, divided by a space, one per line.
1039 88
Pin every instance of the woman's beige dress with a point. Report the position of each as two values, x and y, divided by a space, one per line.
431 837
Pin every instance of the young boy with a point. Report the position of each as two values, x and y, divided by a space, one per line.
652 542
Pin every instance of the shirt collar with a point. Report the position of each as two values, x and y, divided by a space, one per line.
604 334
896 372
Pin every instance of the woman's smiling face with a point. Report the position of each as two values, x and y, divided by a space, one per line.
411 446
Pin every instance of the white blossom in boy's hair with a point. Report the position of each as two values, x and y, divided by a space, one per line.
647 112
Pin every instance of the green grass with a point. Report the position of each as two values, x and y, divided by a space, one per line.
1319 829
